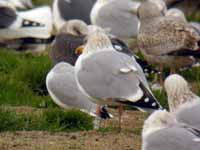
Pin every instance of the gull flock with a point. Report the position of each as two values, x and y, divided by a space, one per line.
95 68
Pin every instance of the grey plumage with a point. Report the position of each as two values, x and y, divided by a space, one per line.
183 103
65 10
111 77
64 91
173 138
162 132
118 15
8 16
189 114
196 26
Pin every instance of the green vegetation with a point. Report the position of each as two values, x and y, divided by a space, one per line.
53 120
22 79
42 2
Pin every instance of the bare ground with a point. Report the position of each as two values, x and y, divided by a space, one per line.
107 139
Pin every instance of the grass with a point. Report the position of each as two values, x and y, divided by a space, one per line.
22 79
53 120
42 2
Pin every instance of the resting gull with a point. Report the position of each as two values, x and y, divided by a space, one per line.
64 91
167 41
25 27
161 131
182 101
112 78
73 34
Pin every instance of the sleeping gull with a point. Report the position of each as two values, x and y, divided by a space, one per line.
64 10
112 78
161 131
64 91
182 101
21 4
25 27
163 39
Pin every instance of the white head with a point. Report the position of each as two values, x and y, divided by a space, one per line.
158 120
174 12
178 91
22 4
148 10
161 5
97 41
75 27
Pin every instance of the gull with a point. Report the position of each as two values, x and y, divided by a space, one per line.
64 10
18 28
161 131
112 78
62 87
196 26
73 34
17 4
166 40
118 15
183 103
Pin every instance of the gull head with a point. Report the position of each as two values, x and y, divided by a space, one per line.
148 10
178 91
97 41
22 4
174 12
161 5
158 120
75 27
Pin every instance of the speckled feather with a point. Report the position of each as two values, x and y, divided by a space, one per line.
162 35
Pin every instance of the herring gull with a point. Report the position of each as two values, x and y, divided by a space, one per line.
165 40
112 78
161 131
182 101
62 87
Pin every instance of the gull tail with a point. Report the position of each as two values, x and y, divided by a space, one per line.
104 114
148 103
194 53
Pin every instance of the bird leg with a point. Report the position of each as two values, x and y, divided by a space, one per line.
120 116
161 74
172 70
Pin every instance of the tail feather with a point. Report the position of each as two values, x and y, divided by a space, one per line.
104 114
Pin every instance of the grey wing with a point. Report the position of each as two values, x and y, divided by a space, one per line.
114 16
63 89
75 9
114 75
190 115
196 26
8 16
173 138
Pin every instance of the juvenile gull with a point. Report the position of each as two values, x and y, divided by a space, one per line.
64 10
62 87
162 39
161 131
112 78
182 101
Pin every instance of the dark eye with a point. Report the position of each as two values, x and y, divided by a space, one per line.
77 31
